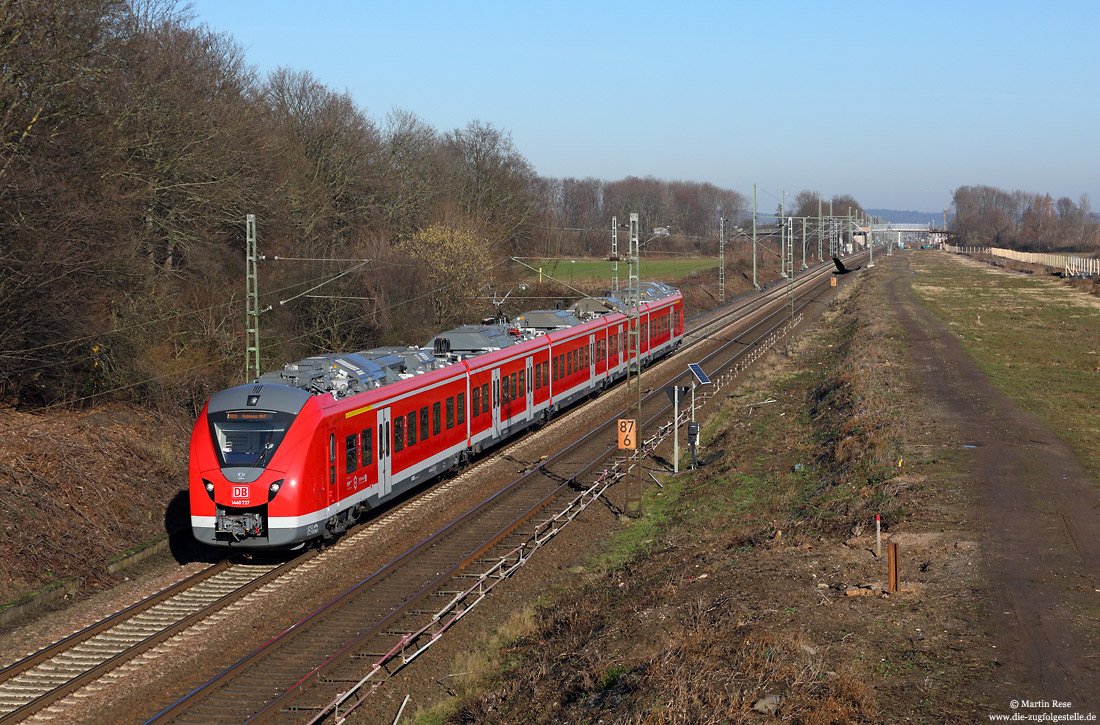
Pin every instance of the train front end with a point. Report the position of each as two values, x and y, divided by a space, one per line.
247 460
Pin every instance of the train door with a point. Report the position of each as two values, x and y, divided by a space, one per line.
496 402
529 389
591 358
384 468
332 494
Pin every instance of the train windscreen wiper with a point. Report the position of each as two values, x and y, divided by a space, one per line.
259 462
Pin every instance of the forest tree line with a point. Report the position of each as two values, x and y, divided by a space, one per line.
986 216
135 140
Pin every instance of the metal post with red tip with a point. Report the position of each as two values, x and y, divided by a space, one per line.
878 535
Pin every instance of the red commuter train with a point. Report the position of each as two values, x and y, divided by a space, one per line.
301 452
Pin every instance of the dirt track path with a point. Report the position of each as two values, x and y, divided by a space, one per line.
1040 520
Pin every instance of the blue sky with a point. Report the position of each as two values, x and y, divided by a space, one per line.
895 103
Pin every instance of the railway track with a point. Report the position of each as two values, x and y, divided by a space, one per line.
358 626
308 671
37 681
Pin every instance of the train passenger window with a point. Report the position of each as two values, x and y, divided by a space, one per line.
587 356
424 423
504 390
398 433
412 427
450 412
460 403
475 402
368 446
435 418
523 383
485 397
569 364
351 453
512 386
538 375
555 368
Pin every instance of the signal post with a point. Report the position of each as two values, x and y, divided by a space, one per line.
633 481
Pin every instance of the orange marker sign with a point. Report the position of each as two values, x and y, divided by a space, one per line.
627 437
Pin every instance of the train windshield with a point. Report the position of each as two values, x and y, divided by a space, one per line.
248 437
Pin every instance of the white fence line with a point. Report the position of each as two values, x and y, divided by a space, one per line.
1071 265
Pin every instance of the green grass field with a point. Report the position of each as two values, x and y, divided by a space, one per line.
1038 340
580 269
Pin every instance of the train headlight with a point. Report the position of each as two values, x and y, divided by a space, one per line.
209 486
273 489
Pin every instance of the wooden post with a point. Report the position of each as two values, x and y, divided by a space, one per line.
893 555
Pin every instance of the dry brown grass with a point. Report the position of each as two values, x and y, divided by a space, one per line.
714 669
76 489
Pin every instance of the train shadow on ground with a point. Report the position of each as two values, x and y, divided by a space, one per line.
181 544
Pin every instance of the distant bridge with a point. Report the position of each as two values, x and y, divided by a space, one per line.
925 228
910 231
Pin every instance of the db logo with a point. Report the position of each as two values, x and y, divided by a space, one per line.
240 492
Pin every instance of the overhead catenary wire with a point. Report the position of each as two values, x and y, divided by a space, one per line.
106 334
156 320
212 363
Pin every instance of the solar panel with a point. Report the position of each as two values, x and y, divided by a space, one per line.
698 373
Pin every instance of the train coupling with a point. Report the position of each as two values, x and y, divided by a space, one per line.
239 526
